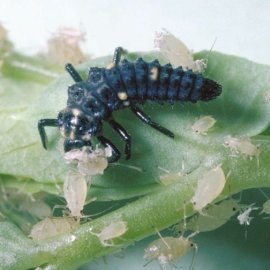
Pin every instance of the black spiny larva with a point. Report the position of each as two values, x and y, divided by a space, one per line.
124 85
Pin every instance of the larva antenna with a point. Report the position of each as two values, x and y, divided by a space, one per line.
73 73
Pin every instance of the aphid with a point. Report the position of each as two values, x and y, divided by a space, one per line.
114 230
170 178
242 146
124 85
36 208
177 53
214 216
50 227
65 46
244 218
209 186
203 125
266 205
169 249
75 192
34 205
89 161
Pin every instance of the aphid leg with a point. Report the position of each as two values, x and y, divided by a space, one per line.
73 73
124 135
146 119
184 218
117 56
115 152
73 144
65 211
42 123
195 252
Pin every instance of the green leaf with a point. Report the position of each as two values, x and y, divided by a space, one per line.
241 110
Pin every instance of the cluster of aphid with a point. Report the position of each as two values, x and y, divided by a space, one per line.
125 85
208 216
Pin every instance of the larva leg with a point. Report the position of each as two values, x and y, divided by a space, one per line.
115 152
117 55
146 119
42 123
73 73
124 135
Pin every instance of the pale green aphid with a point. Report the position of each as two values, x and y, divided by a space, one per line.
242 146
89 161
36 208
202 125
75 192
213 217
170 178
177 53
169 249
266 205
114 230
209 186
53 226
34 205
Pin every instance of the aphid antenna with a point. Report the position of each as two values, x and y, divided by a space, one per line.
210 51
263 193
20 191
162 239
163 169
135 168
60 206
267 198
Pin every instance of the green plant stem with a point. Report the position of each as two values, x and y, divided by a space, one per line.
155 211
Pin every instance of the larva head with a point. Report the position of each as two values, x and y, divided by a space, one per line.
210 90
74 124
